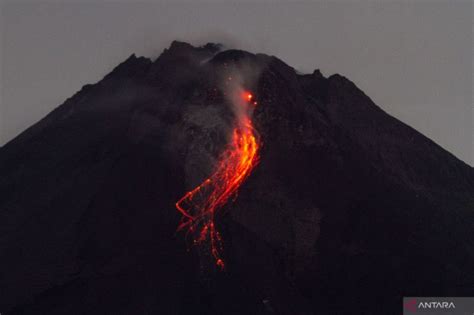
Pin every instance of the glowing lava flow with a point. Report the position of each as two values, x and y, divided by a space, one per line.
199 206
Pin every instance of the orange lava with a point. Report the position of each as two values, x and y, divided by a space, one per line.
200 205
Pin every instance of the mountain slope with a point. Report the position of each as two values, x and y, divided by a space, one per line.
348 209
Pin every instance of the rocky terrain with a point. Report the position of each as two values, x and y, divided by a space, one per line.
348 210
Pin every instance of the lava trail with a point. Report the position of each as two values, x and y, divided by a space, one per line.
200 205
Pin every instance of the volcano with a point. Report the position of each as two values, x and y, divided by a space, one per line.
346 211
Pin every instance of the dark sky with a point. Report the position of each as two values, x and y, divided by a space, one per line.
413 58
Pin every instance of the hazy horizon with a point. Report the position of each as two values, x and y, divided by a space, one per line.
412 59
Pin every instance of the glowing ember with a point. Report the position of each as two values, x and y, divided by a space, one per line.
199 206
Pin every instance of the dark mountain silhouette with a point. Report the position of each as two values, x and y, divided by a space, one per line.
348 210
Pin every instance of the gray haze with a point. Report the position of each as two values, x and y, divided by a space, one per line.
414 59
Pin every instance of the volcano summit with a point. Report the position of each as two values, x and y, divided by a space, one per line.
343 209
